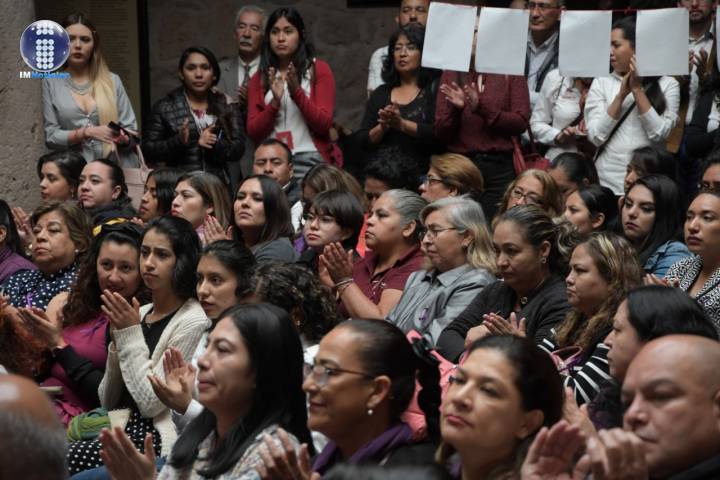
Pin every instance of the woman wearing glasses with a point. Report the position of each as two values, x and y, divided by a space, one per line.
533 187
361 382
399 114
532 253
460 262
451 175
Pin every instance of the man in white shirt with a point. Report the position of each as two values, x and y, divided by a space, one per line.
543 43
701 40
235 73
274 159
411 11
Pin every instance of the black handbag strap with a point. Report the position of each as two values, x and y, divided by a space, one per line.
601 148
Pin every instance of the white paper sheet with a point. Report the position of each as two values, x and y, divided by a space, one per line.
661 42
449 36
585 44
502 41
717 23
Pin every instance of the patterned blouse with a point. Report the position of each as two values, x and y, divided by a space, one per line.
244 469
686 271
32 288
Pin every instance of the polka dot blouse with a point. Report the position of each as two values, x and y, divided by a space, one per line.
32 288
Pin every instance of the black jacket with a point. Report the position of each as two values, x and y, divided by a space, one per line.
545 308
162 143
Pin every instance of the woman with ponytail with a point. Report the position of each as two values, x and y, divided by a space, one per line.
77 109
625 111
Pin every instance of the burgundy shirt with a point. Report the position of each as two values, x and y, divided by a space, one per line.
503 111
394 278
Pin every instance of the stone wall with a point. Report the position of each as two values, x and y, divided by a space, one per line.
344 37
22 140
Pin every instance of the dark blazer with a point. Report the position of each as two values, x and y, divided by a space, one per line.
162 143
543 309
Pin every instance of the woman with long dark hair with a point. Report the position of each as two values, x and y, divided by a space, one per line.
292 96
59 174
193 127
158 194
399 114
262 219
11 251
651 219
592 208
625 111
140 335
250 382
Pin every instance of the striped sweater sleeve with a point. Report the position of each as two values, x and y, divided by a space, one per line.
588 377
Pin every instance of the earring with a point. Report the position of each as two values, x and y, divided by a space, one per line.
544 260
370 412
77 251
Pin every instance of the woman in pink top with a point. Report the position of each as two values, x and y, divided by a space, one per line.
75 327
292 96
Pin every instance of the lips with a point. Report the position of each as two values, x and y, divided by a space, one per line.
39 250
311 236
174 212
630 226
84 197
456 421
693 240
204 385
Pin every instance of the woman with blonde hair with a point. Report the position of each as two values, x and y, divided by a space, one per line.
460 262
533 187
77 109
450 175
603 270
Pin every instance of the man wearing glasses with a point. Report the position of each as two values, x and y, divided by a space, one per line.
543 44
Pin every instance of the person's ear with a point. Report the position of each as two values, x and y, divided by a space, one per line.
397 20
409 229
598 221
209 210
531 423
716 407
116 191
545 248
3 233
466 240
585 182
380 391
454 192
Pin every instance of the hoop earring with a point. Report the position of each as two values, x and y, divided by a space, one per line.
543 260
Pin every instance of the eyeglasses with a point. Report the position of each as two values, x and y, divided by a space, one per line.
530 198
432 233
430 180
321 374
409 48
324 220
543 7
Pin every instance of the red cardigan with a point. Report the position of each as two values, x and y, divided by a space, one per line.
503 112
316 109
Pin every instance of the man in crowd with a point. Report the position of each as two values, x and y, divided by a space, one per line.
34 444
411 11
235 73
672 397
543 43
274 159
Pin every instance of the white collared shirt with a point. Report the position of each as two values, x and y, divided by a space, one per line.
557 106
636 130
254 64
537 56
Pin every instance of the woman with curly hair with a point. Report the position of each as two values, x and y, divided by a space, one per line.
74 328
295 289
603 269
20 351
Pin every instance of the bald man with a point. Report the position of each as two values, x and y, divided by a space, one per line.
33 444
672 397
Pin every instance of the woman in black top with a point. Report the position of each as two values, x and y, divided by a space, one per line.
193 127
400 113
531 258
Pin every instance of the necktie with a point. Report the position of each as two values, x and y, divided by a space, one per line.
246 77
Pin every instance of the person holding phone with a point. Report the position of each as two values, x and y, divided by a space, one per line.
77 110
193 127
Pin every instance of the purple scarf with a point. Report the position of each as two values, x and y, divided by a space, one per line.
373 452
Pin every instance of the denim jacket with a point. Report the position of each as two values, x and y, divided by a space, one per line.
665 255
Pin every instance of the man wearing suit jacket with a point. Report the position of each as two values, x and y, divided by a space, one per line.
235 72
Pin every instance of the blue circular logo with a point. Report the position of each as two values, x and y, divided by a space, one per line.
45 46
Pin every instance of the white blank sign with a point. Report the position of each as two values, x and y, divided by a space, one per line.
661 42
585 44
449 36
502 41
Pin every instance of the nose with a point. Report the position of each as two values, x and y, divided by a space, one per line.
204 362
693 225
460 398
85 186
635 415
44 182
501 261
570 279
41 235
176 202
309 385
202 290
149 263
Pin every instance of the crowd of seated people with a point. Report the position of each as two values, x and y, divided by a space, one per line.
260 312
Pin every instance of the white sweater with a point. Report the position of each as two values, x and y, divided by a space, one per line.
129 363
636 130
